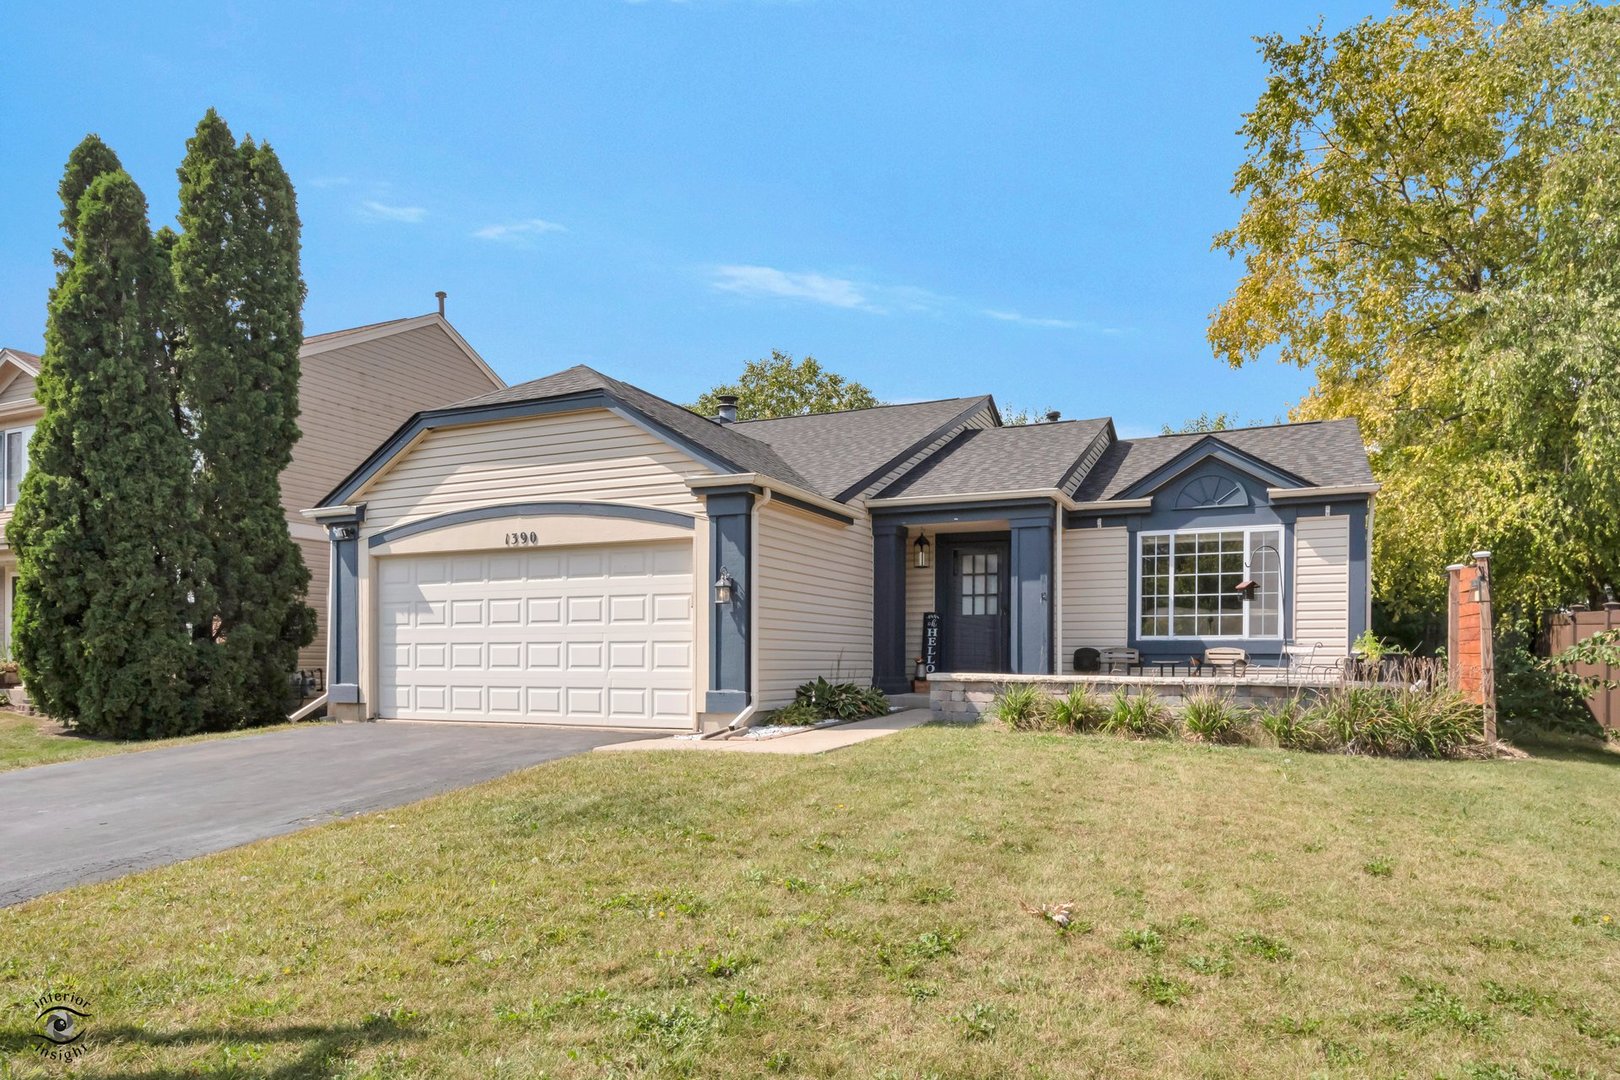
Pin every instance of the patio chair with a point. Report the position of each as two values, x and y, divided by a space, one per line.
1225 659
1118 656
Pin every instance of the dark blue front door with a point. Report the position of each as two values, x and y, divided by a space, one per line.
975 622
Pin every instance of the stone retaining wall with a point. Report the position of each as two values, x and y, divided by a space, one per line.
966 697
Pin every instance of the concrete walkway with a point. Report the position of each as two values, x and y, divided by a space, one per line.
100 818
815 741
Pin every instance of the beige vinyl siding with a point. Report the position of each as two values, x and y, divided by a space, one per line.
813 601
19 389
352 398
1096 591
592 455
318 558
920 600
1322 583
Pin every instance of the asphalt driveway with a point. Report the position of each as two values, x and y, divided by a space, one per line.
83 821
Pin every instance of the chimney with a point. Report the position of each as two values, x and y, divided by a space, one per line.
441 294
727 413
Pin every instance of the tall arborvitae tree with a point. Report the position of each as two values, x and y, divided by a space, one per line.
239 295
99 529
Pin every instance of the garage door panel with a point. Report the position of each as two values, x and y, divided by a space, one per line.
591 636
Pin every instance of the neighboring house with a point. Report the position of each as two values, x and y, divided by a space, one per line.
356 387
560 551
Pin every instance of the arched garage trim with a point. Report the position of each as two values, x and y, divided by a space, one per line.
534 509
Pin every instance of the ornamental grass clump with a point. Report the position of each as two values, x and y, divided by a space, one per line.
1396 721
1078 710
1022 707
1210 716
1142 715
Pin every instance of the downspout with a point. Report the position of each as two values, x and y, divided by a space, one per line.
745 719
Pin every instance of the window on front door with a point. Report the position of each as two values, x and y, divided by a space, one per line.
13 462
981 584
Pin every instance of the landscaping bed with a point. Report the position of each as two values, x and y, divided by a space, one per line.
879 912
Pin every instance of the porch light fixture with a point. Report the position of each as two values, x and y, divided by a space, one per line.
724 587
923 549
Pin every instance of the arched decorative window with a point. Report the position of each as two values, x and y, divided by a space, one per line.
1209 491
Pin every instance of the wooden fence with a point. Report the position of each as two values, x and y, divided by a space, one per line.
1564 629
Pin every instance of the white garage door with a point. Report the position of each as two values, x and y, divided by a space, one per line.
596 635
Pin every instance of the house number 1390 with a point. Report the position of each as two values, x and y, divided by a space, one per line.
521 539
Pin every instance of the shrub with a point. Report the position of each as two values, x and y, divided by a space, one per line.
797 714
1290 725
1397 721
1079 710
1210 716
845 701
1021 707
1141 715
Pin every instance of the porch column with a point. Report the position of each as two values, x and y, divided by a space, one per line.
1032 593
889 671
343 619
730 548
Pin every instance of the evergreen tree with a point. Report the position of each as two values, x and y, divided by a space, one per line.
238 296
102 603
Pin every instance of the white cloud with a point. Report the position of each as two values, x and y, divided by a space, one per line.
767 281
1031 320
518 230
383 212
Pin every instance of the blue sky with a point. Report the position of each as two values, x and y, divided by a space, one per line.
934 198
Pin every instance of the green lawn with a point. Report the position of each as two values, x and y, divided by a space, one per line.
35 740
1243 912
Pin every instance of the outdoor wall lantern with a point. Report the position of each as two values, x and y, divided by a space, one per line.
923 550
724 587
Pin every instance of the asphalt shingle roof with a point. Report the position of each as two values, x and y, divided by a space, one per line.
1021 458
841 452
837 454
1324 453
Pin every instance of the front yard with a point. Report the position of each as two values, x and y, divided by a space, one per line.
39 740
1237 912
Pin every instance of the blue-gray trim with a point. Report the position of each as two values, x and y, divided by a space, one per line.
343 610
800 504
1211 447
889 672
533 509
947 513
462 416
918 447
1261 512
731 519
1031 559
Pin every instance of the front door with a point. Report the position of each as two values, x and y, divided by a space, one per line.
976 624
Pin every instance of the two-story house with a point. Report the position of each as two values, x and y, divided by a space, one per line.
357 386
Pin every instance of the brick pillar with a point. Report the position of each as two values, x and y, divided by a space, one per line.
1470 652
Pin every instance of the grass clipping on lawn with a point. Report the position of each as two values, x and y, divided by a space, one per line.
868 913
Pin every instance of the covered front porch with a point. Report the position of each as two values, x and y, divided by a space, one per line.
964 588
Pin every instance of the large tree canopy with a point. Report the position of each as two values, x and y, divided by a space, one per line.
1429 226
783 386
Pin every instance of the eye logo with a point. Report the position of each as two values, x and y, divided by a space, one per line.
60 1024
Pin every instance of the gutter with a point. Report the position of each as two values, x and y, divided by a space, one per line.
321 513
768 485
1288 494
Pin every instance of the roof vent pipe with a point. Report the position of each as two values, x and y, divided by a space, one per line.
441 294
727 412
1053 416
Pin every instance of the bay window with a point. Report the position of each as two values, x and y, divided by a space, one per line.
13 462
1188 583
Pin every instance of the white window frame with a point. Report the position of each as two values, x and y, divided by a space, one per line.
27 432
1281 532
